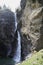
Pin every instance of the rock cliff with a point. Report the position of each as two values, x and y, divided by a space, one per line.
31 25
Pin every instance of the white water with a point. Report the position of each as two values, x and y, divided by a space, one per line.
17 57
15 17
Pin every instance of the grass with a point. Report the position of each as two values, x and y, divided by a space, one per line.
36 59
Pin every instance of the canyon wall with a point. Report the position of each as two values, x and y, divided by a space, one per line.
30 19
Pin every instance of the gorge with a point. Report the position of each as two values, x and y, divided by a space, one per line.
28 28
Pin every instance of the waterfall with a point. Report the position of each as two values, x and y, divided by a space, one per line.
15 17
17 56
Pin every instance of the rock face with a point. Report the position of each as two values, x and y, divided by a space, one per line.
8 36
31 21
25 46
36 28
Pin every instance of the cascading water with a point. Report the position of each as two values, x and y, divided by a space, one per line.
17 56
15 17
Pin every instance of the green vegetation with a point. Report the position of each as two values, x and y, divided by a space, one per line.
36 59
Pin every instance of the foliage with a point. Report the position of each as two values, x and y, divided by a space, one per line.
36 59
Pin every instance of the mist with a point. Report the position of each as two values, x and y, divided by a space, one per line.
11 4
